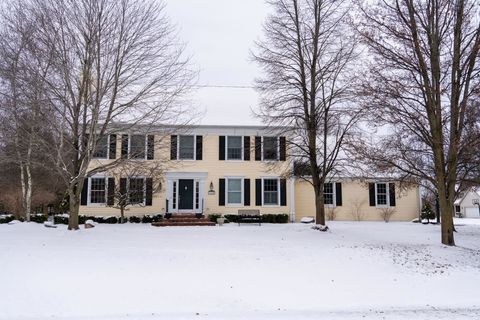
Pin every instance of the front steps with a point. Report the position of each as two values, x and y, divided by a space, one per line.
183 220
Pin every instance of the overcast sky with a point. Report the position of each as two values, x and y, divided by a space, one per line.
219 35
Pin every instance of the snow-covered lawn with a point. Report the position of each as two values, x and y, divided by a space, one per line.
359 269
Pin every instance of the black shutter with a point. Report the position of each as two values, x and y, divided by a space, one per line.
111 192
173 147
338 194
112 151
246 192
283 192
283 149
246 148
258 148
199 151
123 186
84 196
258 192
371 190
124 153
150 147
221 192
148 191
391 188
221 148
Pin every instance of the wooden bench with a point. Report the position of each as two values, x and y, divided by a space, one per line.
249 215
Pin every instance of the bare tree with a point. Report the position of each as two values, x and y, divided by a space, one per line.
136 180
387 213
307 58
423 76
102 63
356 208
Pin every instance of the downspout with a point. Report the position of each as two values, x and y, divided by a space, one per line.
292 194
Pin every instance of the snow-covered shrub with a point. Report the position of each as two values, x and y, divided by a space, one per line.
6 218
214 217
427 213
61 219
151 218
275 218
38 218
134 219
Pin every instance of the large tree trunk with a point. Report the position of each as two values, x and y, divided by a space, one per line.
319 207
74 208
28 193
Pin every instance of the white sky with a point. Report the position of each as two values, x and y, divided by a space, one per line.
219 35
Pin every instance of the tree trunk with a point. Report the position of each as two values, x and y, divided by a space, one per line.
28 193
122 214
74 207
446 209
319 206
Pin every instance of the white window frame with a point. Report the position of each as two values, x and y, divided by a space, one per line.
108 150
194 147
241 151
89 184
334 196
242 197
142 204
278 192
129 146
387 189
278 149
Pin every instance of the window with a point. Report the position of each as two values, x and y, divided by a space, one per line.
234 191
270 191
101 151
328 193
136 190
137 147
381 194
270 148
457 209
234 148
97 190
187 147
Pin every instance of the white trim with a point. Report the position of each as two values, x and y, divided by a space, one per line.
278 192
334 196
242 191
292 199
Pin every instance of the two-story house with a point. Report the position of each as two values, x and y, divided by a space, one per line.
220 169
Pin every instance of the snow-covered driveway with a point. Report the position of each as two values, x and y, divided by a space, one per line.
359 269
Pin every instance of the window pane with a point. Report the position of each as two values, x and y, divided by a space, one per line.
136 190
328 193
186 147
234 148
137 147
234 191
381 193
270 191
270 148
97 190
101 150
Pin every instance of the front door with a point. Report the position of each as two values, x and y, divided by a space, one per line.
185 194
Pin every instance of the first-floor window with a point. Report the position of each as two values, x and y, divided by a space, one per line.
381 194
234 191
136 190
270 191
97 190
328 193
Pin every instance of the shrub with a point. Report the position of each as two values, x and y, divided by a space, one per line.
6 218
387 213
427 212
213 217
60 219
135 219
38 218
149 219
275 218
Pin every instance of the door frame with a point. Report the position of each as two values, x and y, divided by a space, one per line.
199 179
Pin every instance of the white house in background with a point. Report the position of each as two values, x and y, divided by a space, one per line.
467 206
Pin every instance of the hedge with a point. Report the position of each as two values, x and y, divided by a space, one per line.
266 218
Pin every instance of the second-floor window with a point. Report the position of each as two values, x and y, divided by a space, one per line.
270 148
137 146
101 151
234 148
186 148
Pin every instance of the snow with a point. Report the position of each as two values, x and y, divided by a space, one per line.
372 270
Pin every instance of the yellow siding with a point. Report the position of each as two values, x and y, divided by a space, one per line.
355 195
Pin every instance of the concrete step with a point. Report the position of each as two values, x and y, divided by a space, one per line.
170 223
